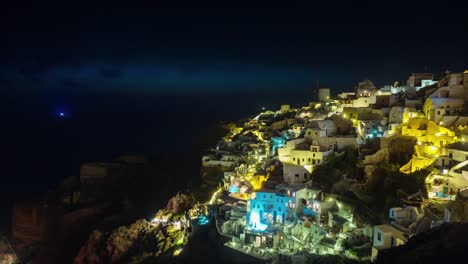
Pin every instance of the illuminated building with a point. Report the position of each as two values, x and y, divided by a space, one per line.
320 128
285 108
436 108
277 142
420 80
296 174
386 236
266 208
446 185
327 246
323 94
408 214
369 129
279 206
431 139
304 154
365 88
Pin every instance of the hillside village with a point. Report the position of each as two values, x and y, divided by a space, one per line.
352 175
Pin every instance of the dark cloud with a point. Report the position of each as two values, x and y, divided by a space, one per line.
6 83
71 83
151 45
111 73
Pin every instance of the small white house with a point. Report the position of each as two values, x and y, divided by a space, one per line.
408 214
386 236
295 174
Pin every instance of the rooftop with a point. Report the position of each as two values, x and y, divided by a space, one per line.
458 146
394 231
328 242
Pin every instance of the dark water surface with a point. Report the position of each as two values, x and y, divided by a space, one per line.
39 147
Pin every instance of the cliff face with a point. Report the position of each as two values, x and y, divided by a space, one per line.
439 245
180 203
141 241
459 211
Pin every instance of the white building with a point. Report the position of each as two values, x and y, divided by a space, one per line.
418 81
365 88
295 174
447 185
285 108
396 115
436 108
318 128
304 154
408 214
338 143
323 94
362 101
386 236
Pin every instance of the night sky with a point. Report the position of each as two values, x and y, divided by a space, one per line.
151 79
151 47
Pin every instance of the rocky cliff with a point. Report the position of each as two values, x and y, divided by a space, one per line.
140 241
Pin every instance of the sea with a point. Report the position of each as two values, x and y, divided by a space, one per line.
47 135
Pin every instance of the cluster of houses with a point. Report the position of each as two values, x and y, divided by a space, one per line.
272 205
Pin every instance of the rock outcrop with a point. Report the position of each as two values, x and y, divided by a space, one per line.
459 210
180 203
444 244
141 241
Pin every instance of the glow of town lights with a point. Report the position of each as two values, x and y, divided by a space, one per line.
255 221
